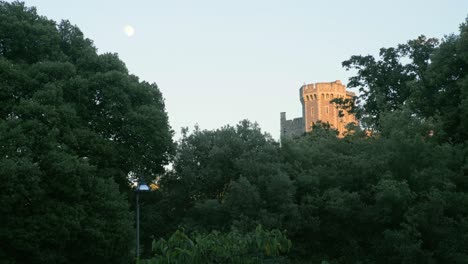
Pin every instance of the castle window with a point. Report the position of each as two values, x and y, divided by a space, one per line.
326 109
315 96
323 96
327 96
331 95
311 111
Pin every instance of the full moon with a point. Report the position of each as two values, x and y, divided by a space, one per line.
129 30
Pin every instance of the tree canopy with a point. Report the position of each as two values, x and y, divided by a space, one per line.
425 76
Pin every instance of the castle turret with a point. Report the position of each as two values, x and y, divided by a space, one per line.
317 106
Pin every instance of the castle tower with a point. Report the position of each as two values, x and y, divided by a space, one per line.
316 105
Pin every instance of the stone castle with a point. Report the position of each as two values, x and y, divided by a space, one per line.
316 105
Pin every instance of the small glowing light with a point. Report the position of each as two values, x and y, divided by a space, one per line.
129 30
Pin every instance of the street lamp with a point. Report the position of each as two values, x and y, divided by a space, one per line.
141 187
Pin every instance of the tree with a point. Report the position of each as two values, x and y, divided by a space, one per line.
388 84
446 91
260 246
73 126
225 177
425 77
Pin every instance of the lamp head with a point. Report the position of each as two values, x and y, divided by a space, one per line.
142 187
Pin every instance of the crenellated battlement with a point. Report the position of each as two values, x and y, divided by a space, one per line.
323 91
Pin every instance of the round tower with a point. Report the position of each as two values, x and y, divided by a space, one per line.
316 105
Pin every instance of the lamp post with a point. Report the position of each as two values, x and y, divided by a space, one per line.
141 187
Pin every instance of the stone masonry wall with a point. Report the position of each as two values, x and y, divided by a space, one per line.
291 128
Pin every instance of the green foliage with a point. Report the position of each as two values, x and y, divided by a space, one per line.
73 126
260 246
214 169
385 199
387 84
423 76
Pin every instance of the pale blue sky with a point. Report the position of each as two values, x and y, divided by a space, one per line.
217 62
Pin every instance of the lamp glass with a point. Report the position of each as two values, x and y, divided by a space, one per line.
142 187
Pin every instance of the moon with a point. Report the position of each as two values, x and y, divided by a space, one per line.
129 30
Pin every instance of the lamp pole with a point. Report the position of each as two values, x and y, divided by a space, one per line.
137 228
141 187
